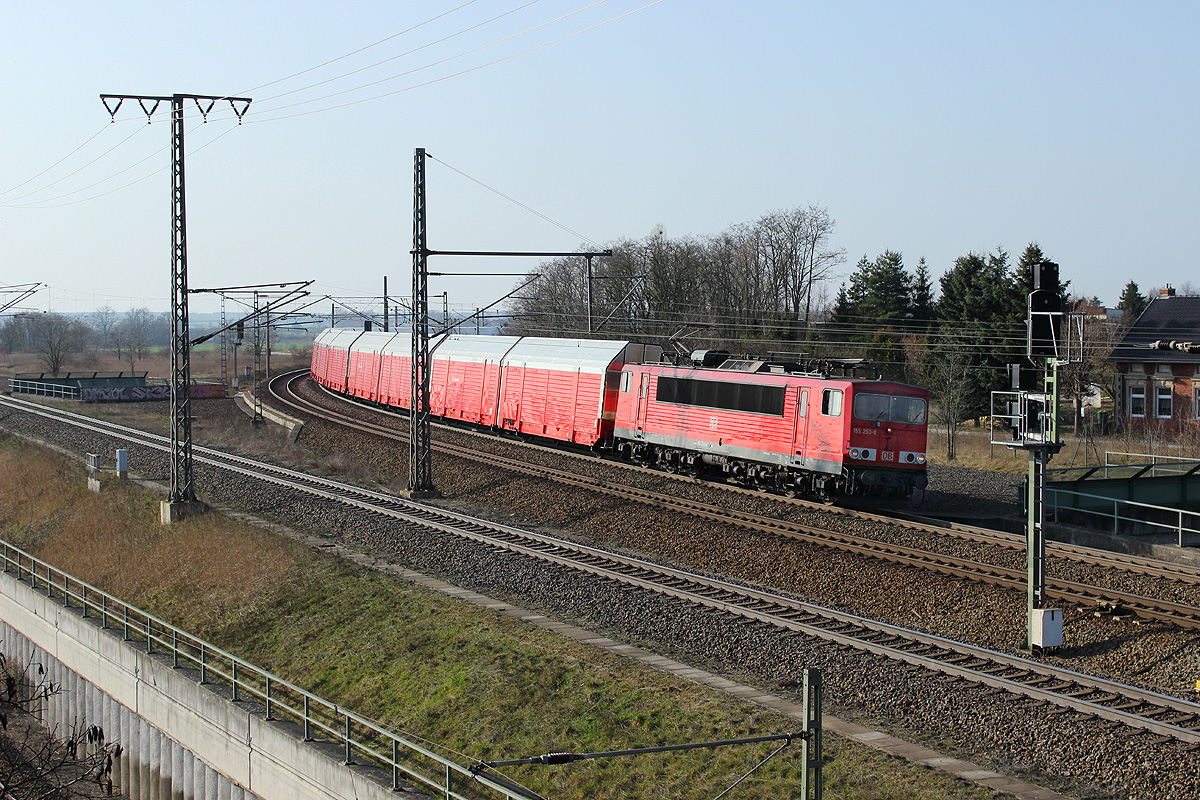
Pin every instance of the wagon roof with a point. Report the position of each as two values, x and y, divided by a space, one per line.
584 355
340 338
474 348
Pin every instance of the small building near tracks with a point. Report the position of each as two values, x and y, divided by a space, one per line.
1158 367
104 387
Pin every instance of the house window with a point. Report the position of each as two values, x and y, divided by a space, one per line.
1196 400
1137 402
1164 369
1162 407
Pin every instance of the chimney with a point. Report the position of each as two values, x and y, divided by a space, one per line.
1167 292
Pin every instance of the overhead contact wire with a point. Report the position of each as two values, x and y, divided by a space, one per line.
514 201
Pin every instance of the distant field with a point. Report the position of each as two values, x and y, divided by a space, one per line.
205 361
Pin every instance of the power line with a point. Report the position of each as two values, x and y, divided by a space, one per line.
39 204
455 74
56 163
49 202
402 55
359 50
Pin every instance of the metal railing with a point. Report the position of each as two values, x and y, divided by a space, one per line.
1147 467
362 740
1178 527
43 389
1152 458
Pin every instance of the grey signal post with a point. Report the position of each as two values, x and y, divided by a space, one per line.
181 502
1040 446
1032 413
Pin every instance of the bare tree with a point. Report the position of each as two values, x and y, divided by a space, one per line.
1077 379
56 338
945 367
38 763
138 323
798 256
116 339
131 337
763 276
13 334
103 320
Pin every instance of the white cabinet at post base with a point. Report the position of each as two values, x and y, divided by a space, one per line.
1047 627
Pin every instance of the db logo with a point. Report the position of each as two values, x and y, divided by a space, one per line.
712 423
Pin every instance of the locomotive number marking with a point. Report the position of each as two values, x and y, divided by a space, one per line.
886 456
866 431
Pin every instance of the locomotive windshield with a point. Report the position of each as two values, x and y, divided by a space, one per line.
870 407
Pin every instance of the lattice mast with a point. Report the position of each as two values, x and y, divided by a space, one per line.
420 467
183 489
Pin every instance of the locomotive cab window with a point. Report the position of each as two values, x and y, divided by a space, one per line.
871 407
626 381
831 403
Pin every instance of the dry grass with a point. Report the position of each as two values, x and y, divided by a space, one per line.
115 542
974 449
474 681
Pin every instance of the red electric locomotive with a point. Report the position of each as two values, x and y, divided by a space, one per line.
778 426
775 425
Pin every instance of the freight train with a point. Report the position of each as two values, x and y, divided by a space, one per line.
779 426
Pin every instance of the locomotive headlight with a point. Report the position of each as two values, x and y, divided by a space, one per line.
854 452
908 457
920 458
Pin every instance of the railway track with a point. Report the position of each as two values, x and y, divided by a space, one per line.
1139 565
1170 718
1184 616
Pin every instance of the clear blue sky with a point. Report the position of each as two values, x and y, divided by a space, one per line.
934 129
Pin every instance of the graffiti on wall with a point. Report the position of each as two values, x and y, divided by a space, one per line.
136 394
124 394
208 390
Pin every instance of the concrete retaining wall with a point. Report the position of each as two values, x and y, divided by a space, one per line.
180 740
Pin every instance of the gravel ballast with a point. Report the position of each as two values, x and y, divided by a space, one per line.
1079 756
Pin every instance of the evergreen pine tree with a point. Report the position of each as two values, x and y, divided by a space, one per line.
1132 304
921 296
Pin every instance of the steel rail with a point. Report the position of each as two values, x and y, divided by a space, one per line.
1149 608
1154 712
1125 562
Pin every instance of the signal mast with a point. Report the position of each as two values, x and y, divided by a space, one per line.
1031 409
